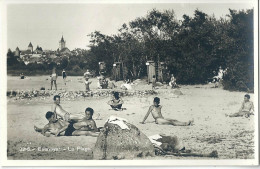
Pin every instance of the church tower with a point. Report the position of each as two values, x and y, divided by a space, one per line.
30 47
17 52
62 43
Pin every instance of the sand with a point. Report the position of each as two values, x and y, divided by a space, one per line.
233 138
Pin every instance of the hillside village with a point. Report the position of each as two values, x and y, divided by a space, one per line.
40 55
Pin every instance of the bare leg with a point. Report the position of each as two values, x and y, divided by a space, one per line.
51 84
238 114
84 133
173 122
55 84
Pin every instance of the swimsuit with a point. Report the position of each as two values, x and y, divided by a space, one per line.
53 77
70 130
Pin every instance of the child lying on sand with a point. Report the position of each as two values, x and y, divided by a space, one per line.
246 109
86 127
155 109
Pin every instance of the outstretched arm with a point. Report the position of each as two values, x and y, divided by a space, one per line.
147 114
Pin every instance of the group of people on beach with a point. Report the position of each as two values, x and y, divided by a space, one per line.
61 121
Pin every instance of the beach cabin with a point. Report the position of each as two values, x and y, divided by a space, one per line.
158 69
117 73
150 70
102 67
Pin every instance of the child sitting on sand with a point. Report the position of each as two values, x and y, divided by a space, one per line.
246 109
116 103
58 126
155 109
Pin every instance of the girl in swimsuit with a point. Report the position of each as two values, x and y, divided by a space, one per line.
155 109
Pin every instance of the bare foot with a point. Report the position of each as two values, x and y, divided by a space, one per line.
37 129
191 122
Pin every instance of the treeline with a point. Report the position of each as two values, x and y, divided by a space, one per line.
193 49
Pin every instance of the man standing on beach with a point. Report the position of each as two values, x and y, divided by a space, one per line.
54 78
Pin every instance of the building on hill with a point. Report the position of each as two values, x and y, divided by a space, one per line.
63 50
62 43
17 52
30 47
38 50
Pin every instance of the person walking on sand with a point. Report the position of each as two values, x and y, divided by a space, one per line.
54 77
247 108
155 109
64 76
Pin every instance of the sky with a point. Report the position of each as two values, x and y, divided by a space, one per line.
44 24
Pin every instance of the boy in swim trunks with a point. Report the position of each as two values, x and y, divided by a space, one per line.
58 126
116 103
247 108
155 109
54 78
63 114
87 123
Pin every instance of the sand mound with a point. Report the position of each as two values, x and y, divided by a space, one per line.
117 143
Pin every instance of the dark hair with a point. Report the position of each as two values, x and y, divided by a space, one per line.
116 94
153 76
156 99
54 98
90 110
248 96
49 114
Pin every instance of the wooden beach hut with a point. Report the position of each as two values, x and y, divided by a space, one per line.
150 70
117 73
102 68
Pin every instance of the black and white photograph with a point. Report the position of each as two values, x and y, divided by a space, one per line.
149 83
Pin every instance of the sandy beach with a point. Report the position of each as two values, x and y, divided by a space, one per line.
233 138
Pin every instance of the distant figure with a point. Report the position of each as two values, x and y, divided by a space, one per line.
116 103
54 78
87 83
126 85
153 82
64 76
87 74
102 82
155 109
172 82
21 76
247 108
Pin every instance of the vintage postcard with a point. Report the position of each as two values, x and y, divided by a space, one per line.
94 83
